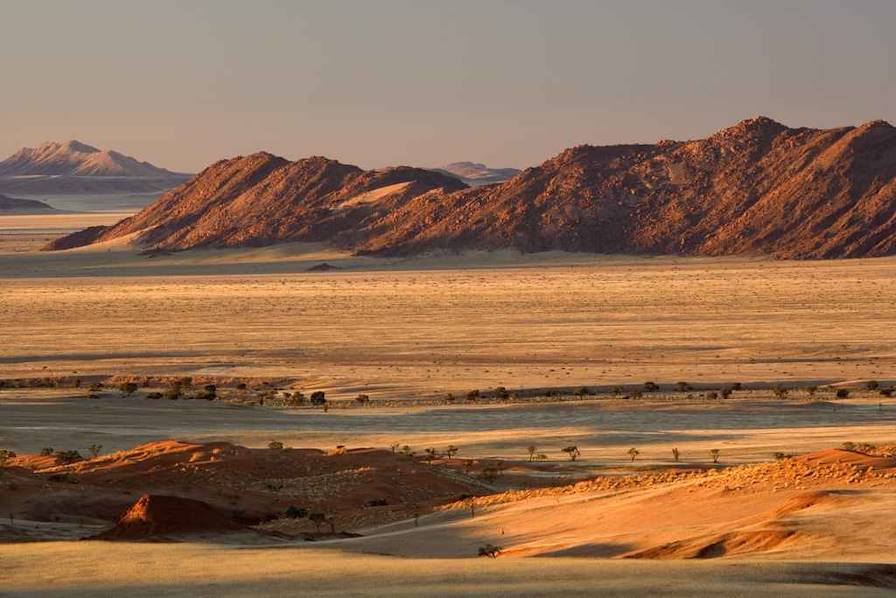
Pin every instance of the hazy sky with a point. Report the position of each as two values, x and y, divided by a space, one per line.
379 82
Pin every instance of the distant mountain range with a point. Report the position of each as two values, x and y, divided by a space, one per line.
75 167
755 188
476 173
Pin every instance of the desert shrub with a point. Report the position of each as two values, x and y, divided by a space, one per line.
430 454
95 387
172 394
737 386
886 392
727 392
340 449
275 445
842 393
617 390
377 502
318 397
210 389
241 386
67 457
583 391
294 512
394 446
489 550
541 457
95 450
449 397
407 450
362 399
472 395
572 451
451 451
46 451
501 393
128 388
811 390
780 392
490 474
779 456
683 386
320 518
712 395
6 456
715 453
154 395
651 387
872 385
633 452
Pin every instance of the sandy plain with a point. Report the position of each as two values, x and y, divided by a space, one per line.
410 329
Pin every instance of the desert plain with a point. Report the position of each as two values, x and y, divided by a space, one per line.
478 373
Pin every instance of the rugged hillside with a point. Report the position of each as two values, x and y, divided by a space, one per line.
74 167
476 173
757 187
23 206
263 199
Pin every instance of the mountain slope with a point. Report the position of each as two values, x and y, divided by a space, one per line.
23 206
76 159
74 167
757 187
262 199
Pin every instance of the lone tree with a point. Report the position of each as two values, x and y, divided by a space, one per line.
451 451
675 454
633 452
394 446
430 454
572 451
532 449
715 455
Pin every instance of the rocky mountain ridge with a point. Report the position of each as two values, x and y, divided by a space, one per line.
757 187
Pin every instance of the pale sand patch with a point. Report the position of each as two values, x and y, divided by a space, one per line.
374 195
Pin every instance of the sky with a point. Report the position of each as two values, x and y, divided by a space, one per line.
385 82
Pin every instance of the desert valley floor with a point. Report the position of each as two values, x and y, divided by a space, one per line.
747 355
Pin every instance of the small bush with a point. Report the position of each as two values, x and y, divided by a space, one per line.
67 457
46 451
886 392
294 512
490 550
872 385
501 393
128 388
362 399
842 393
472 395
6 456
318 397
154 396
651 387
275 445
